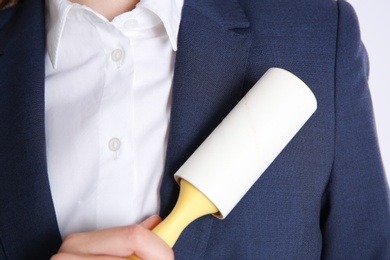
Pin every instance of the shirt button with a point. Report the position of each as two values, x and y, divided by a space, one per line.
131 24
117 55
114 144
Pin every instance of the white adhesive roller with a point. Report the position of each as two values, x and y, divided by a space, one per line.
215 178
246 142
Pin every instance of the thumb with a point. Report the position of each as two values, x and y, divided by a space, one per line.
151 222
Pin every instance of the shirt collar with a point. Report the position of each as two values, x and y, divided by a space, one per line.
169 11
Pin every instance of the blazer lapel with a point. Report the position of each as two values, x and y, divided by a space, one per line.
28 227
213 47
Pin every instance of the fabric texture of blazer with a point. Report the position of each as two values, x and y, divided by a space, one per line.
325 196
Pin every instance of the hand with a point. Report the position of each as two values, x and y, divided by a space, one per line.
116 243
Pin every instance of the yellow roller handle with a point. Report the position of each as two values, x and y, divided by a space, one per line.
190 205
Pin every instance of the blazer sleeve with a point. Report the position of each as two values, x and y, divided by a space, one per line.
357 209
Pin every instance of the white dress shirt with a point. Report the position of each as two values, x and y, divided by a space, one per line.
107 93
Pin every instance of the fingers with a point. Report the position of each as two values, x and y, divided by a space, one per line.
116 242
151 222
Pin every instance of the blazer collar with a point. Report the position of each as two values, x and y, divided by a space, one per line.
213 47
228 14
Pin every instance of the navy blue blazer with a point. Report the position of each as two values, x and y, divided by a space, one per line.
325 196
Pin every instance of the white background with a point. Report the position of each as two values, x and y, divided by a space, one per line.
374 17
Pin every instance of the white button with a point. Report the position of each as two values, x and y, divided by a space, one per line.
117 55
131 24
114 144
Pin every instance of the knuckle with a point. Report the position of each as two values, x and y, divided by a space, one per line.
135 236
138 238
134 233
